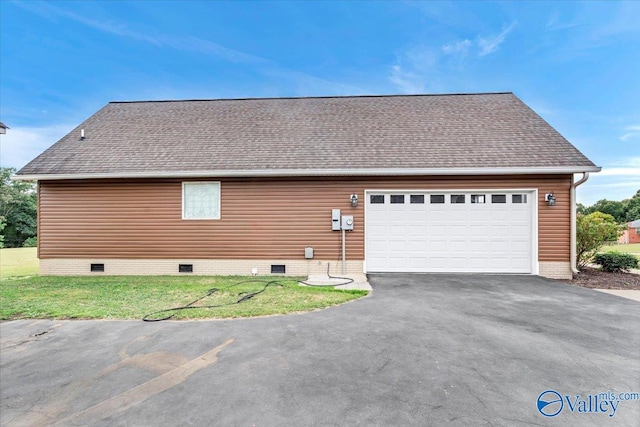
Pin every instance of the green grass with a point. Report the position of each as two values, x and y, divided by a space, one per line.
632 248
25 295
18 262
131 297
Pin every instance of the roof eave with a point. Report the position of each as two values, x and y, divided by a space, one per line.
313 172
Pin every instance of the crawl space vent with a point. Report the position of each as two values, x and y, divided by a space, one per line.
185 268
97 268
278 269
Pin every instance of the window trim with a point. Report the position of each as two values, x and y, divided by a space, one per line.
185 183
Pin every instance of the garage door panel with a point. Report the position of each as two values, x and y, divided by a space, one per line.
499 216
478 263
455 233
418 230
479 232
455 237
438 216
459 246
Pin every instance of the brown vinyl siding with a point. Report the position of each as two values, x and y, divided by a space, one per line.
260 218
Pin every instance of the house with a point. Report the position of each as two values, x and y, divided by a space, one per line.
3 128
424 183
631 234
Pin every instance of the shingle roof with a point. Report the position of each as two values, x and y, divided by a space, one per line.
407 132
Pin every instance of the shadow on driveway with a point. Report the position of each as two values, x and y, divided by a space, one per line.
421 350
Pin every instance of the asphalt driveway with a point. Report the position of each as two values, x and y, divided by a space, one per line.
420 350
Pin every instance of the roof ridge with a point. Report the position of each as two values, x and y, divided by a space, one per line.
316 97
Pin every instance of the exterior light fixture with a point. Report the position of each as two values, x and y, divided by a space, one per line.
354 200
550 198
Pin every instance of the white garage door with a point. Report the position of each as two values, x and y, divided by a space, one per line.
460 231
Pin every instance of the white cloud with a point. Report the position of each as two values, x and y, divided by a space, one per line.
407 81
457 47
617 181
632 132
554 23
627 167
620 171
492 43
419 68
21 145
600 187
458 51
415 70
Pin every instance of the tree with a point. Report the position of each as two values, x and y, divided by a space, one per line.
2 225
623 212
614 208
592 232
582 209
18 208
632 208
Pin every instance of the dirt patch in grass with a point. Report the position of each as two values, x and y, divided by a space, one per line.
594 278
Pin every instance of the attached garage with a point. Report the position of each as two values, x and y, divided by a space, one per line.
431 183
491 231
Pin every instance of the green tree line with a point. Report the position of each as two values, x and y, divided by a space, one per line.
603 223
18 209
624 211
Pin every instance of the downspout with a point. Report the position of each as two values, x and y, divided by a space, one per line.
585 176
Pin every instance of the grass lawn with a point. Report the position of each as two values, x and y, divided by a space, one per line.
631 248
25 295
131 297
18 262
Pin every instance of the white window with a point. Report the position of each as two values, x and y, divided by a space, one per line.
200 200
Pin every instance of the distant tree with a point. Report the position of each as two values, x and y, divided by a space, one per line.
582 209
2 226
614 208
623 212
632 208
17 208
593 231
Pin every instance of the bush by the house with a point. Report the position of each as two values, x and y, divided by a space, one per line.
615 262
593 231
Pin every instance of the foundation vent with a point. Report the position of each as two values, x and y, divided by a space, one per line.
97 268
278 269
185 268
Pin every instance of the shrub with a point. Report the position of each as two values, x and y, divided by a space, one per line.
592 232
31 242
615 262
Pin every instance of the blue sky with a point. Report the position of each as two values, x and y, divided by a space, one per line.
576 64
